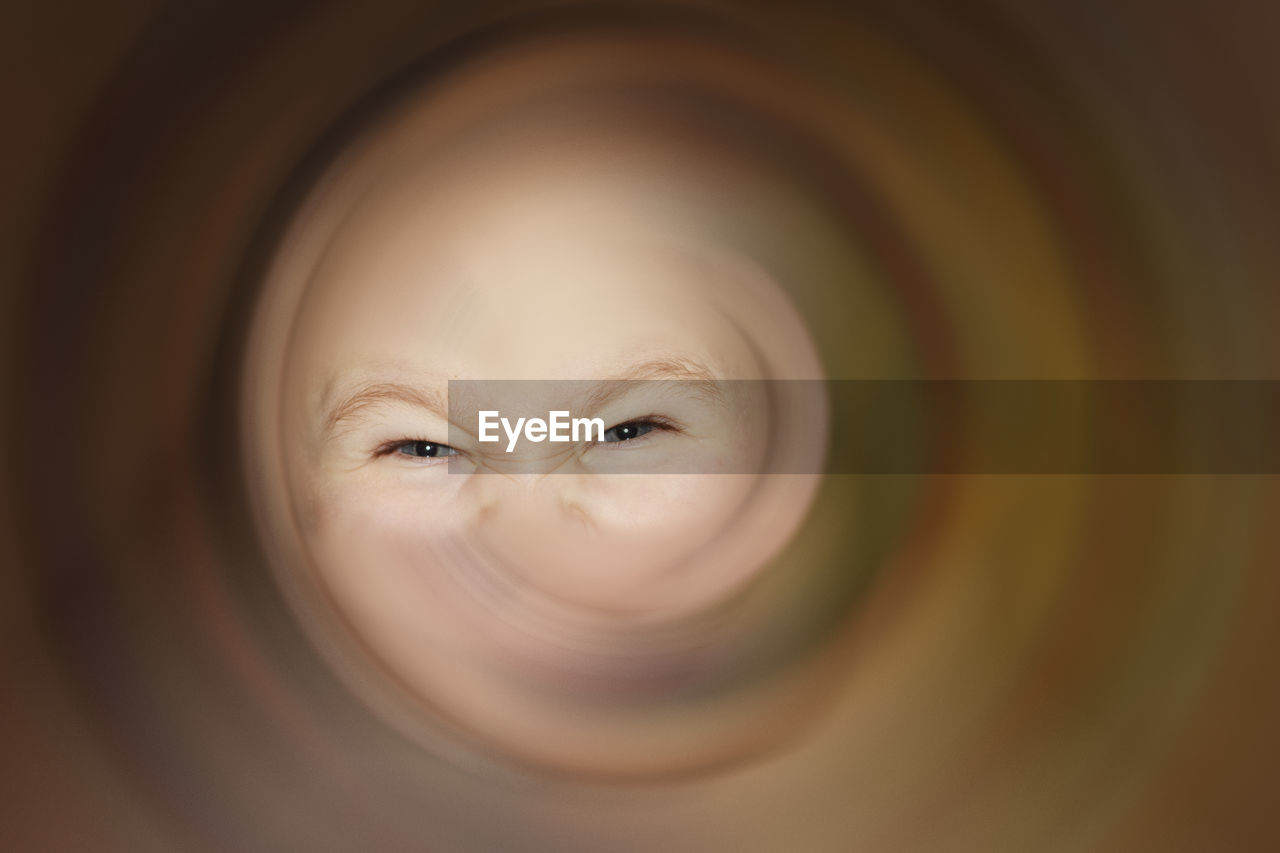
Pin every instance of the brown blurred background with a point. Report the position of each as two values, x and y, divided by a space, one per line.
1081 190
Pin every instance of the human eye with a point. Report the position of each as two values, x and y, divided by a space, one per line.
633 429
416 449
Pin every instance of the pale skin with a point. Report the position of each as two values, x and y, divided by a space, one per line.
521 594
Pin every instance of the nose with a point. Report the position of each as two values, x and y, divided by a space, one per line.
526 496
534 526
541 530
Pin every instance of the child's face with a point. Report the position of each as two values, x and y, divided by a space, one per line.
496 585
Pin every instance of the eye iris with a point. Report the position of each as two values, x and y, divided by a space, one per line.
626 432
424 448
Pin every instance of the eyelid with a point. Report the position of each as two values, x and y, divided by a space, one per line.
660 421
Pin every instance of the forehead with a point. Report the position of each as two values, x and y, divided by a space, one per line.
524 270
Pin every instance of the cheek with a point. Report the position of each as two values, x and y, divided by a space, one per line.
681 544
379 517
388 561
376 548
677 513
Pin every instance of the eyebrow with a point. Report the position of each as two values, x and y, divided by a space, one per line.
690 373
370 395
373 394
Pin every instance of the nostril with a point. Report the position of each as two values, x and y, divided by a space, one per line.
540 500
574 511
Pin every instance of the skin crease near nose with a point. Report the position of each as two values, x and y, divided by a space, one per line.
518 273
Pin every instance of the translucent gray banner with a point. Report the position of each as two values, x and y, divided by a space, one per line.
685 426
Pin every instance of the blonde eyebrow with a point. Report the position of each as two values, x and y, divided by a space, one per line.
375 394
368 396
667 368
688 373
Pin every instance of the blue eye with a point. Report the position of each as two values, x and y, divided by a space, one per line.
629 430
424 449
